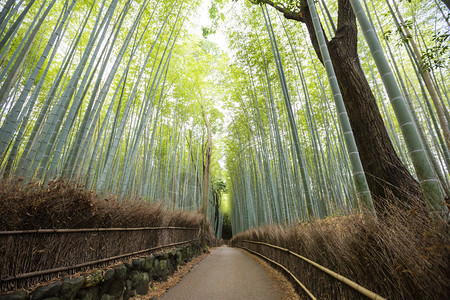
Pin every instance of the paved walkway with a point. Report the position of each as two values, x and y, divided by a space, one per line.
226 274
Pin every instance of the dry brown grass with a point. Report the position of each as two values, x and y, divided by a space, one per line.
62 204
403 256
65 205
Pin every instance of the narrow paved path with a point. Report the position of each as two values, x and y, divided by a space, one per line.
227 273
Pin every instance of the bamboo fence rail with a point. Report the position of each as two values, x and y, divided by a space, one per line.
45 272
362 290
28 257
285 269
17 232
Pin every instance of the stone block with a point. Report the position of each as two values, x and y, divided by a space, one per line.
180 259
156 269
163 264
129 265
172 263
20 295
138 263
116 288
120 272
109 274
107 297
142 286
148 265
88 293
164 269
134 276
189 252
70 288
129 292
46 291
92 279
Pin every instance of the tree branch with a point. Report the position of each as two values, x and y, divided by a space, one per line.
297 16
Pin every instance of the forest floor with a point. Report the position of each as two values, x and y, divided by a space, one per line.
230 273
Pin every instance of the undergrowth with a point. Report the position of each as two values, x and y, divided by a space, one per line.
404 255
64 204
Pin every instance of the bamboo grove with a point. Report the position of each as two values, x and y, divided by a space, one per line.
104 93
124 95
295 156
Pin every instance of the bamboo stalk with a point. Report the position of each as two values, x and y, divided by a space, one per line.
425 173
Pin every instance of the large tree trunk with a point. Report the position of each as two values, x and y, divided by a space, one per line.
216 202
386 174
206 167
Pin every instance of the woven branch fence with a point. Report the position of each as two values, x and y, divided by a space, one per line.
332 285
28 257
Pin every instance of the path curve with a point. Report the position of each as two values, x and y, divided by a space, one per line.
227 273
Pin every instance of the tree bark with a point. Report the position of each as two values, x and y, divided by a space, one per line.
206 167
216 203
387 177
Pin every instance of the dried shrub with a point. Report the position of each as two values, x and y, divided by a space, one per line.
63 204
66 205
180 218
404 255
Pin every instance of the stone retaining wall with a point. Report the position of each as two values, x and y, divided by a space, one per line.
115 283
